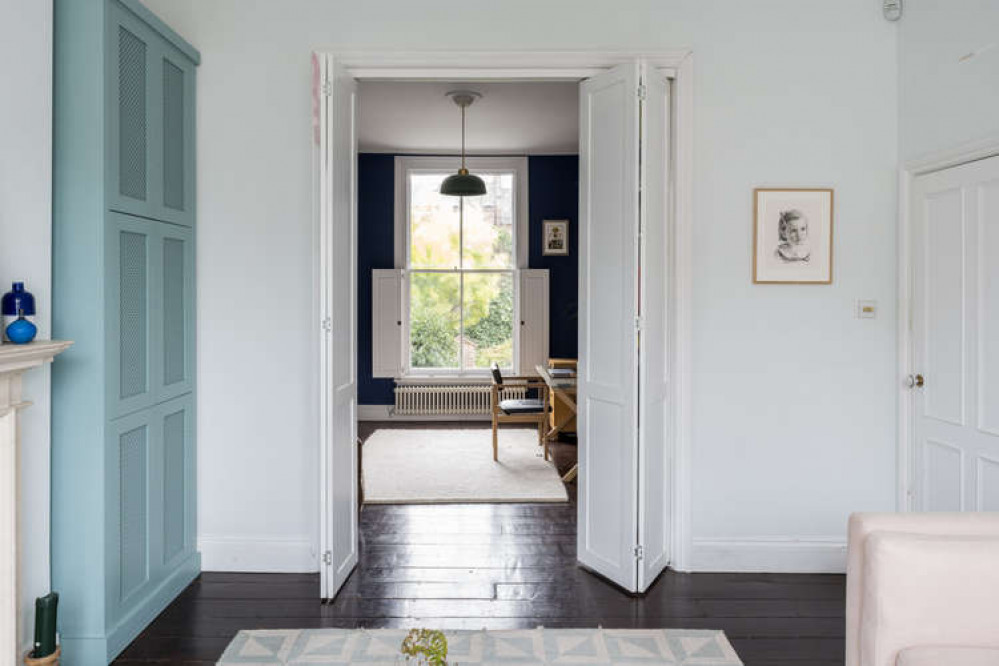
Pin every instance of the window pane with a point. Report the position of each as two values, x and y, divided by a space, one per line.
488 320
488 224
434 220
434 320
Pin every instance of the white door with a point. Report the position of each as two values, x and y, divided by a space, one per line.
955 334
654 438
338 160
386 323
533 308
608 308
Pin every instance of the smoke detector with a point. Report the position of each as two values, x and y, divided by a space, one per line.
892 9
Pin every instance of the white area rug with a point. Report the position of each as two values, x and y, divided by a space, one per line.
456 466
569 647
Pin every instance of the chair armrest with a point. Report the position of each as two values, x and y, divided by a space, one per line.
523 385
928 590
863 525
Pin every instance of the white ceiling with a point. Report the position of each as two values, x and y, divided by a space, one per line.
511 118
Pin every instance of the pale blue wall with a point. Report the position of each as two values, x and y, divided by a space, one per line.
793 398
947 99
25 254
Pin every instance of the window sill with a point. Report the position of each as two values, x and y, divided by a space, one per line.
478 378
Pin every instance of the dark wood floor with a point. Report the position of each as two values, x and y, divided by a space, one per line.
498 567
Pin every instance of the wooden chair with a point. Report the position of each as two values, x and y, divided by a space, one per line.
523 410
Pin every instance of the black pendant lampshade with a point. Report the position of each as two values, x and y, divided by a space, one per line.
463 184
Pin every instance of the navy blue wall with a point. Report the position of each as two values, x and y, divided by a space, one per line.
554 195
553 191
375 249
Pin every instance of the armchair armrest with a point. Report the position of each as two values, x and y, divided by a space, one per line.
922 590
864 525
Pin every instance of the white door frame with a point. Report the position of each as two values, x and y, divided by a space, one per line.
567 66
920 166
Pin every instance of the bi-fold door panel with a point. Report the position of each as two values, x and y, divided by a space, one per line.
150 501
151 120
608 269
149 292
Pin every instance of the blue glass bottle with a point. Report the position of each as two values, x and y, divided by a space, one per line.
21 331
18 305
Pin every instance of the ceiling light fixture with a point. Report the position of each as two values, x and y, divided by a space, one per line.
463 184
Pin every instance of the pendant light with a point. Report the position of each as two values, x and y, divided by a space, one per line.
463 184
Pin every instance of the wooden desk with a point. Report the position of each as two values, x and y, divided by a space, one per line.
559 409
565 389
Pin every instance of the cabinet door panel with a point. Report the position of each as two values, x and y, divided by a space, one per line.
130 472
174 98
151 123
150 464
176 317
176 507
130 86
131 337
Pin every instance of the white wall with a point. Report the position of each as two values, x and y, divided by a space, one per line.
26 254
793 398
949 74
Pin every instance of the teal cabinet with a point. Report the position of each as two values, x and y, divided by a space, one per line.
150 505
150 122
123 415
150 337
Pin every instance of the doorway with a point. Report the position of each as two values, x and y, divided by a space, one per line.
636 505
449 285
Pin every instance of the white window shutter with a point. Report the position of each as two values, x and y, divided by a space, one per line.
533 319
386 323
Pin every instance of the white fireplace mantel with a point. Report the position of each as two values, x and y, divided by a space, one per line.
14 361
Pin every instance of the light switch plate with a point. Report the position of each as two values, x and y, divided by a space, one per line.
867 309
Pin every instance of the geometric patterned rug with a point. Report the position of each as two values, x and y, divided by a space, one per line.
570 647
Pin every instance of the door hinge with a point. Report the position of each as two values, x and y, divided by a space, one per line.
639 552
327 88
327 324
328 558
642 91
639 323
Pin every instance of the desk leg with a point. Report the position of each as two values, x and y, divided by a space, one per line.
571 404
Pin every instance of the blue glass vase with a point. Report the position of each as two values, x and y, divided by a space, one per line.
21 331
18 302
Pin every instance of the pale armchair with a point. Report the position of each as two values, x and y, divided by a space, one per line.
923 590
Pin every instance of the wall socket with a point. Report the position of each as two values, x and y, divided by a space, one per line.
867 309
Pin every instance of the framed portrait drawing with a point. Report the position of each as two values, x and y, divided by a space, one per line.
555 241
792 236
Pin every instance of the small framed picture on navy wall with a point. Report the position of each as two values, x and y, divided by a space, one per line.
555 241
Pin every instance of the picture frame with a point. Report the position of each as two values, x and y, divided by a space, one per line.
792 235
555 238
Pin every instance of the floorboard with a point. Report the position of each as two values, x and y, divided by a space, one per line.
504 566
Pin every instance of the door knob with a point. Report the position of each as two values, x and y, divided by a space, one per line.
915 381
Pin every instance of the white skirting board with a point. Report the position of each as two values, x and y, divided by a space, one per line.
387 413
769 555
257 555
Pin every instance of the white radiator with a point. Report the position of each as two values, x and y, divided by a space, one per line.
445 399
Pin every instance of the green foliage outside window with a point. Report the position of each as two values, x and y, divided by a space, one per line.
466 238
